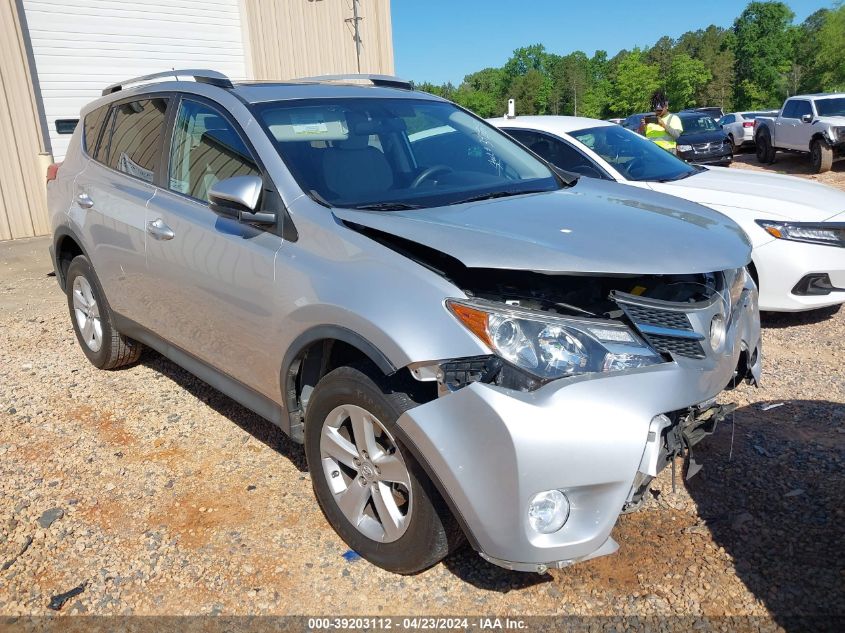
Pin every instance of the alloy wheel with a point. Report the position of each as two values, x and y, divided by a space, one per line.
366 473
87 314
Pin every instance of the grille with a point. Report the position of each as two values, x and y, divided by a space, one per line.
659 318
679 346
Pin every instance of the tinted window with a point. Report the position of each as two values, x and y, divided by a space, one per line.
361 152
701 123
730 118
789 110
93 125
136 137
634 157
557 152
206 149
831 107
801 108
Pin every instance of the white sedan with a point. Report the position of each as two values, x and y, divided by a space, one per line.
796 226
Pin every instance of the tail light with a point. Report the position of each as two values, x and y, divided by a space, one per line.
53 171
748 123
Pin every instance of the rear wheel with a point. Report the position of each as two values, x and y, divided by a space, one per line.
372 491
821 155
101 343
765 150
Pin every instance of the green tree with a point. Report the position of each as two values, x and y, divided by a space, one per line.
482 103
530 91
634 81
763 49
830 57
687 76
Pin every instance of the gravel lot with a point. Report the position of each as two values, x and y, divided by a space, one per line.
162 496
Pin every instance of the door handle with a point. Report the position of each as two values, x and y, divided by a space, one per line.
84 200
159 230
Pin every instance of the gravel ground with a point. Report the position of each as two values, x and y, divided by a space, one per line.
158 495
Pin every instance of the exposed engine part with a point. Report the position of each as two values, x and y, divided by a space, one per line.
566 294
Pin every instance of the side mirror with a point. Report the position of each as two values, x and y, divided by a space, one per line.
807 118
237 198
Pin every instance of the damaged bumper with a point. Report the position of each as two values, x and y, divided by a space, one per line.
491 449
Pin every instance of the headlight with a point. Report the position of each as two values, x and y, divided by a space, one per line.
684 148
549 346
837 133
828 233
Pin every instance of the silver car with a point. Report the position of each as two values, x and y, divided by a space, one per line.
469 343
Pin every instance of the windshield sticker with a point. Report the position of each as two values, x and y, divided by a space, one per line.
308 123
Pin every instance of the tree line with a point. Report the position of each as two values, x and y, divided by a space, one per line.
763 58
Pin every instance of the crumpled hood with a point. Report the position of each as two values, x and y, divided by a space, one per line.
593 227
775 196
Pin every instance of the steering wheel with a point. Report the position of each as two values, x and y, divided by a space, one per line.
428 172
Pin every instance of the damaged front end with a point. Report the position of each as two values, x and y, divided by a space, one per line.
593 383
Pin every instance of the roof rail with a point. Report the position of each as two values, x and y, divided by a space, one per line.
199 75
385 81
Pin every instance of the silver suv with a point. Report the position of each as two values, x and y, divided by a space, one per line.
469 343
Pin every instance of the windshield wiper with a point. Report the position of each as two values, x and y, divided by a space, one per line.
496 194
388 206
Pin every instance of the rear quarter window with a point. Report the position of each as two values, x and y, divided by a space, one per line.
93 126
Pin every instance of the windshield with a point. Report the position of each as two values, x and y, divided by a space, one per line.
397 153
831 107
631 155
693 124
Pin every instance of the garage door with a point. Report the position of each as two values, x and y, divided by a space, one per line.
81 46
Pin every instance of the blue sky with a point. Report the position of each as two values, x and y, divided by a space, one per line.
439 40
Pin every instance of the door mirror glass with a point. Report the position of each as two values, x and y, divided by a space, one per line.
807 118
238 198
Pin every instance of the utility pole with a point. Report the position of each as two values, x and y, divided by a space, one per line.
356 19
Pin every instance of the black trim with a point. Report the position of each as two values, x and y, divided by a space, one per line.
59 234
233 388
287 378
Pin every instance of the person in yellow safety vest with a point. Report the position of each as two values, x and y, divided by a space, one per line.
665 128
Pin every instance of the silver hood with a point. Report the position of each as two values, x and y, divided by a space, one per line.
593 227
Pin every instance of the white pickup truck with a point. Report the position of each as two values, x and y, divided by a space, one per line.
806 123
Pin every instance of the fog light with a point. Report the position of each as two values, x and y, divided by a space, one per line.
717 333
548 511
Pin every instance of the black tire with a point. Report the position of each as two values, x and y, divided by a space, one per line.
432 531
821 155
116 350
765 150
734 148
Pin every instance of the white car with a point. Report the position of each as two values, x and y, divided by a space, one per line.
739 126
796 226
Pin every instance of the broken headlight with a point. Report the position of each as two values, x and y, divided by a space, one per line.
549 346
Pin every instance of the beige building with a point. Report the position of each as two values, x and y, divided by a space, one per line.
57 55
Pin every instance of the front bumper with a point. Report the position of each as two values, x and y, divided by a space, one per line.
491 450
722 156
781 264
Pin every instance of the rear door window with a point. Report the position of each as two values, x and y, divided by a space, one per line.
136 135
789 110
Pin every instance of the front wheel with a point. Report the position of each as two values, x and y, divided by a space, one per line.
822 156
101 343
371 490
